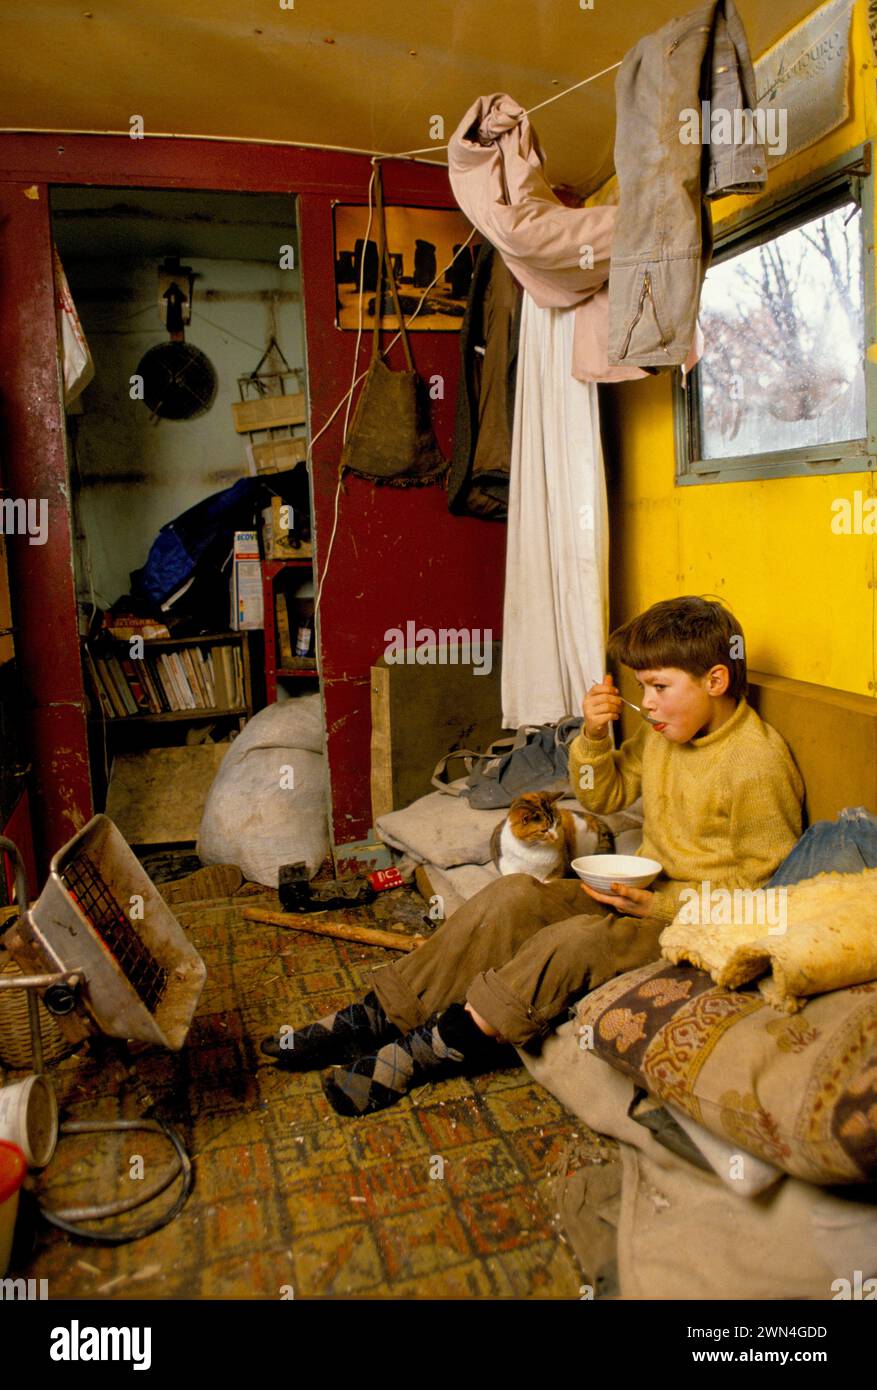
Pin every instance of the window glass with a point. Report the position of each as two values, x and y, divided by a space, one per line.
784 328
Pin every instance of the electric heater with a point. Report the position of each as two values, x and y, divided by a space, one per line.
118 961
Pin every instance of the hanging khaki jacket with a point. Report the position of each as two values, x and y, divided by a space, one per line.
663 235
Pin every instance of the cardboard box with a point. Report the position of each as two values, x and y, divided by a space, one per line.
275 533
419 713
269 413
246 583
277 455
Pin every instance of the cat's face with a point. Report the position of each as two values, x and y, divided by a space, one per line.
533 818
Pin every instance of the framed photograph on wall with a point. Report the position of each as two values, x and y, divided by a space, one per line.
422 242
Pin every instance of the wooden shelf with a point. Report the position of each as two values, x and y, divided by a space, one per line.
272 568
216 639
167 716
309 670
153 646
269 413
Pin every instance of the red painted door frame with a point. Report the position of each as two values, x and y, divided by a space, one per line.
34 465
398 553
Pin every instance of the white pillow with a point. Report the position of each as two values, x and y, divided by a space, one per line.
446 831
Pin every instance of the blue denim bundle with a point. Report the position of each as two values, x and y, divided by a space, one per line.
845 846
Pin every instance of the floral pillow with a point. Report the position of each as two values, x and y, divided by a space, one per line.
799 1091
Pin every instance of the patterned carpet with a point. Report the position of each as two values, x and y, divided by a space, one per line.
447 1195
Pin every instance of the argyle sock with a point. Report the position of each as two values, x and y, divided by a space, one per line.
338 1037
446 1045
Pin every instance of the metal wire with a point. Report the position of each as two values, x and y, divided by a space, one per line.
67 1219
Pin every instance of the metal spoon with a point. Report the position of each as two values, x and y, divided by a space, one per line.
647 717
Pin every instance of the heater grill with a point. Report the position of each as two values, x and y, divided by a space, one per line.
138 979
94 899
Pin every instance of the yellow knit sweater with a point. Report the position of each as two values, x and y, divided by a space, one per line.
724 808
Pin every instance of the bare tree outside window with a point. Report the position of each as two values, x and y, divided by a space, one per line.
784 330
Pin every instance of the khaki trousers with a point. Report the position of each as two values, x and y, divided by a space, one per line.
519 952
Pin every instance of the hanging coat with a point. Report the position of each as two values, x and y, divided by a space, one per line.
663 237
478 483
560 255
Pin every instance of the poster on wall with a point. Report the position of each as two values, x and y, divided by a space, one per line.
802 82
422 242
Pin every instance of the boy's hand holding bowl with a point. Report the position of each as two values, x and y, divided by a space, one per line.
617 880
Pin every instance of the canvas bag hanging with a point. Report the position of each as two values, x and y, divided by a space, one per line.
390 439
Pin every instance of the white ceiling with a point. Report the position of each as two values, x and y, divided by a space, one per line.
367 76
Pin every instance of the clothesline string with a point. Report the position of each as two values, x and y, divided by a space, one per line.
790 67
348 396
438 149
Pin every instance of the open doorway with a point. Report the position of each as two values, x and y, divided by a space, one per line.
153 434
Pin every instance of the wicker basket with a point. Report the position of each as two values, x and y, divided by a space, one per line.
15 1047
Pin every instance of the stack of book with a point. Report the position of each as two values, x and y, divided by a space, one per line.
208 677
128 625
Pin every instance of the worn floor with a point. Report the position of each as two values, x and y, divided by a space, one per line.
446 1195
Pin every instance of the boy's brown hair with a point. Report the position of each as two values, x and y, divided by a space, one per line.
693 634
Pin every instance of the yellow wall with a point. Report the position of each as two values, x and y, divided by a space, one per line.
806 598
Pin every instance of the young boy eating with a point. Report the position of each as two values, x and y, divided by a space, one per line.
721 803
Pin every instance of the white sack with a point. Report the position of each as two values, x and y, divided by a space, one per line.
250 818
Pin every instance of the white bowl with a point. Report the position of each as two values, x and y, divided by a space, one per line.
600 871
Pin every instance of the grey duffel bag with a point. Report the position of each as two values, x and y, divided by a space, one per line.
536 759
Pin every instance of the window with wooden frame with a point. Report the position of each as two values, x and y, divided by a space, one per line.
786 385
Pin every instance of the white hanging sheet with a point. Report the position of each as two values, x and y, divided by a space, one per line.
556 593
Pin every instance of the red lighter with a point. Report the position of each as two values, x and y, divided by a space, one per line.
382 879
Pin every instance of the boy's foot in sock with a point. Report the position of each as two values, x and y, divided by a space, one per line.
338 1037
446 1045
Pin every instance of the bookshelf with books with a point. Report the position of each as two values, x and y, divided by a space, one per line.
169 678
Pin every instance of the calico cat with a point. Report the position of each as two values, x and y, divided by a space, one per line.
538 839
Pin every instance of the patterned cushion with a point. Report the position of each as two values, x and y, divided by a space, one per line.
799 1091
